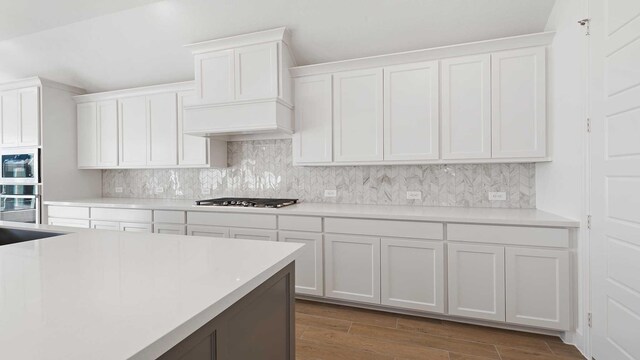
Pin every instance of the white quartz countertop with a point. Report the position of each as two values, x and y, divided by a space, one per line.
526 217
92 294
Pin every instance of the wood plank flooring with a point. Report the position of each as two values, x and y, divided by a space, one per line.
331 332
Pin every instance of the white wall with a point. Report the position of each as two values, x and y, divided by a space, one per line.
561 184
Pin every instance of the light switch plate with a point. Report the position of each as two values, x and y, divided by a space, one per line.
159 190
118 189
414 195
330 193
498 196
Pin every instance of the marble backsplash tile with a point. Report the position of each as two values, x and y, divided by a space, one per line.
264 169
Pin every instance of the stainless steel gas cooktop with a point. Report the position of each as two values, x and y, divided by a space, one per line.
247 202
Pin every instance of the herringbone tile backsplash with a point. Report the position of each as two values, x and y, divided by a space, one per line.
264 169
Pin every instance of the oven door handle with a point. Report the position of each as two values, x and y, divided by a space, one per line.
8 196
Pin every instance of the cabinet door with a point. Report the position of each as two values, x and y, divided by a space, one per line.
135 227
192 150
538 287
10 118
107 133
256 71
412 274
172 229
76 223
254 234
357 115
162 142
29 120
466 107
352 268
214 77
476 281
411 112
132 118
210 231
518 93
309 263
313 136
87 134
105 225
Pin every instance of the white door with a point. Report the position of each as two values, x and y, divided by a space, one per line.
412 274
214 77
29 121
135 227
107 133
313 136
256 71
518 103
615 164
254 234
309 279
352 268
132 131
9 118
466 107
537 287
163 130
192 150
172 229
357 116
476 281
87 134
411 112
105 225
210 231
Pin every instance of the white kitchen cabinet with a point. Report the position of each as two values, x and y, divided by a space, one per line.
411 112
358 116
87 134
466 107
412 274
9 119
210 231
136 227
192 150
107 133
105 225
537 287
313 136
133 131
253 234
162 125
352 268
518 103
476 281
256 71
76 223
215 77
20 117
173 229
309 269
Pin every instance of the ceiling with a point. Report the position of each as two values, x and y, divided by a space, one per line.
115 44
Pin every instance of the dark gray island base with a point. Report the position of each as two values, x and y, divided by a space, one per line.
260 326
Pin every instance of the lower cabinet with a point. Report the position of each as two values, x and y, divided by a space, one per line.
76 223
476 281
254 234
136 227
210 231
105 225
352 268
309 271
412 274
120 226
172 229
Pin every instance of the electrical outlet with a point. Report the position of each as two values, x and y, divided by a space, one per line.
206 191
414 195
159 190
498 196
330 193
118 189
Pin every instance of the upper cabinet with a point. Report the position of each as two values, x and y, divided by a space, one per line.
98 134
132 114
216 77
162 137
256 71
20 117
470 103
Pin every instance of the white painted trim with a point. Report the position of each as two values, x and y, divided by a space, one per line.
140 91
431 162
278 34
478 47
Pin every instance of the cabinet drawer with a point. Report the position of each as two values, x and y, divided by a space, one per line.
253 234
129 215
73 212
300 223
69 223
509 235
169 217
411 229
232 220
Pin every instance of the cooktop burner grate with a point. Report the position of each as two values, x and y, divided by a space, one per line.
247 202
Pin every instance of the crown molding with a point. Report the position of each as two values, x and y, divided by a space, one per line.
278 34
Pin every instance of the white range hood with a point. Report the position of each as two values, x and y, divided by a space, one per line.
243 86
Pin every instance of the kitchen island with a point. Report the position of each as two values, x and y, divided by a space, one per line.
92 294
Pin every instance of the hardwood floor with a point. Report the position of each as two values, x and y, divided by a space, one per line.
331 332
